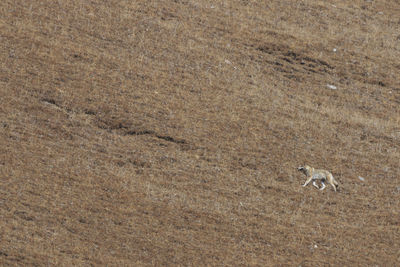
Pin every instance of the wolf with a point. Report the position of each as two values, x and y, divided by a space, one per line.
318 175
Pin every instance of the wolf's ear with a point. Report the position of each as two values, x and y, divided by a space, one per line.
300 168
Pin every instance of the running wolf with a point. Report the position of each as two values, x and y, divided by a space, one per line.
318 175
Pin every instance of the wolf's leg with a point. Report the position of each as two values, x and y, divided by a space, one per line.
323 186
334 186
333 182
308 181
315 184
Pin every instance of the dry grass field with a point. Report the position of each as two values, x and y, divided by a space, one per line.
168 133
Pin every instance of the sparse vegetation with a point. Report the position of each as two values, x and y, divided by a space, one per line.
169 132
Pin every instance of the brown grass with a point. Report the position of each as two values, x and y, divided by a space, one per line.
169 132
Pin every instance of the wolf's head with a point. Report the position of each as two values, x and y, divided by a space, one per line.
304 169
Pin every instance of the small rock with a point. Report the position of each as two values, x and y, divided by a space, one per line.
330 86
361 178
334 49
386 169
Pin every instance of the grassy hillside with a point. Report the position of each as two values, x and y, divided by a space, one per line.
168 132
